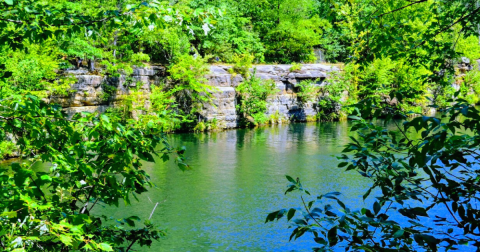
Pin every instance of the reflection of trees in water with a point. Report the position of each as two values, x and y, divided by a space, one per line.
327 136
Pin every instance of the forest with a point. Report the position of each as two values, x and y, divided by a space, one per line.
399 61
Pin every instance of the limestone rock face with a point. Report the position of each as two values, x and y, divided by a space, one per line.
284 103
222 107
95 93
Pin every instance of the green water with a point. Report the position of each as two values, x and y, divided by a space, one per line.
238 177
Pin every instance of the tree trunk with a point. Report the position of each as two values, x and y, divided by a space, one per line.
91 65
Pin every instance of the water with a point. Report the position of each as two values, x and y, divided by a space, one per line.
238 177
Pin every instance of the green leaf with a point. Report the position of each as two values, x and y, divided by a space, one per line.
9 2
105 247
67 240
46 177
291 179
399 233
332 236
376 207
290 214
12 214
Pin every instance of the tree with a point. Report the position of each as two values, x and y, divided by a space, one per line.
94 161
427 165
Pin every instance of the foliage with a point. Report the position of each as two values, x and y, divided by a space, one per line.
29 71
79 47
242 66
470 87
425 167
188 85
294 42
165 45
469 47
295 67
379 78
230 36
277 118
211 125
7 148
336 96
252 100
307 91
93 162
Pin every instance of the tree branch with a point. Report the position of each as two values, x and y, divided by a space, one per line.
401 8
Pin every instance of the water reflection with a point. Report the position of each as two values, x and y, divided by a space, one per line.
238 178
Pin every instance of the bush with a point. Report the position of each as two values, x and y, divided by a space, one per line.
307 91
382 77
469 47
252 95
231 36
31 70
295 67
7 148
243 63
165 45
470 88
293 41
187 83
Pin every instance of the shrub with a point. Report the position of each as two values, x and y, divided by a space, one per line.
243 63
231 37
31 70
7 148
277 118
253 94
468 46
295 67
470 88
293 41
187 83
307 91
166 45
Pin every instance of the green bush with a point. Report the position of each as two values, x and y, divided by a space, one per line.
165 45
307 91
470 87
253 94
294 41
31 70
187 83
382 77
211 125
469 47
7 148
231 36
243 63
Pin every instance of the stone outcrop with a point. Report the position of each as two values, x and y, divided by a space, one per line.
95 93
284 103
92 93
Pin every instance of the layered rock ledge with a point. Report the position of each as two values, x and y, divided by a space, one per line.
90 92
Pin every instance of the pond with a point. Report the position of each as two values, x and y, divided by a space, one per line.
238 177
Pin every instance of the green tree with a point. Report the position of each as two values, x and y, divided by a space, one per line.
94 160
427 164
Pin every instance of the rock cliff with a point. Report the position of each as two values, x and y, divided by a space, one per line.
93 93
